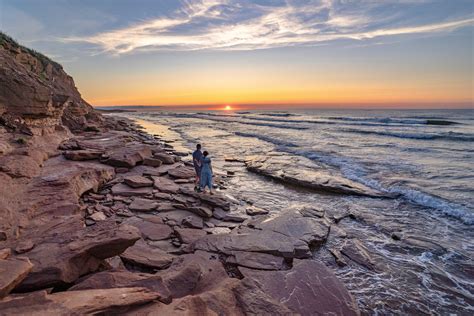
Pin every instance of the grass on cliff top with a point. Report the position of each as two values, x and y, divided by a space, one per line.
4 38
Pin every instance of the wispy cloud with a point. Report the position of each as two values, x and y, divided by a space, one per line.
246 25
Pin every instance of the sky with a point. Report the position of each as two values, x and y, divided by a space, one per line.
263 53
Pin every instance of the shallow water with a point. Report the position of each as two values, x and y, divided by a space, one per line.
413 154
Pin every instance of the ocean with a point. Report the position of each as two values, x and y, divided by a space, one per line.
421 239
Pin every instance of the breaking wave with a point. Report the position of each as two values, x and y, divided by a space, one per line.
427 136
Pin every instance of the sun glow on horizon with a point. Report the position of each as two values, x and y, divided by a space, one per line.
227 108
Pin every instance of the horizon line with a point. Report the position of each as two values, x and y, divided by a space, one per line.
326 106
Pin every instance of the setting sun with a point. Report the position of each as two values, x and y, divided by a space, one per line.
227 108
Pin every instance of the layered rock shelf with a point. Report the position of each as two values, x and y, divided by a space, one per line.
99 217
309 175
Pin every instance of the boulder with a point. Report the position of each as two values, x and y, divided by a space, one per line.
309 288
191 274
152 162
162 196
182 172
231 298
219 213
188 235
144 256
24 246
118 279
151 230
253 211
165 158
143 205
166 206
125 190
65 251
19 166
128 156
84 302
192 222
165 185
201 211
12 272
136 181
57 189
228 297
236 215
148 171
99 216
81 155
163 169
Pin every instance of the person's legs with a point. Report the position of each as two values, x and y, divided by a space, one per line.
204 181
197 169
197 181
209 183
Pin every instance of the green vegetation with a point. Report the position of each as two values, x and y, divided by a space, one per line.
4 38
21 141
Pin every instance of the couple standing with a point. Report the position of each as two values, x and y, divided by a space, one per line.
202 165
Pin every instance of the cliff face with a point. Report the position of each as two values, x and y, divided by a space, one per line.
36 94
39 108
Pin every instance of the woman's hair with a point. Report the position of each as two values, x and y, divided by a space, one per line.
205 153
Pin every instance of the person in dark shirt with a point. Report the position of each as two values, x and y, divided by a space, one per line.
197 156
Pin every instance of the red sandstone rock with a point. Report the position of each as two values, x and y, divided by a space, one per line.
257 241
143 205
255 260
66 251
213 200
125 190
291 223
142 255
152 162
61 183
137 181
165 158
117 279
182 173
165 185
128 156
199 285
188 235
12 272
150 229
80 155
84 302
5 253
309 288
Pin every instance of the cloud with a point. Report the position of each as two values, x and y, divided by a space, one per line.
248 25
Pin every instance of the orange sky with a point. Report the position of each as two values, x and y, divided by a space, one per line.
211 53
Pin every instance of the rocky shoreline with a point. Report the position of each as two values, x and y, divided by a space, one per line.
99 217
119 215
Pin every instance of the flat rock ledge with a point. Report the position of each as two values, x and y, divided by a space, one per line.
317 178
